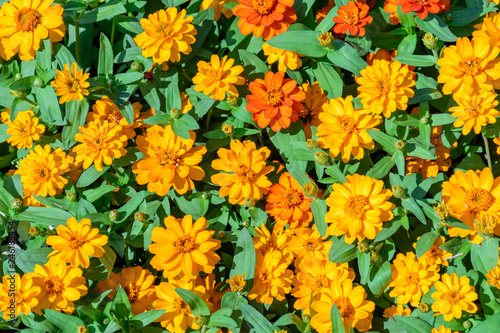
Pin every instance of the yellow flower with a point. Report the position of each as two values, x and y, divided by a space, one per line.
489 29
26 23
17 294
358 208
246 171
475 111
169 160
351 301
237 283
217 77
218 6
435 255
453 296
60 286
493 277
277 241
497 142
24 130
441 329
385 86
273 279
411 278
168 33
101 141
183 247
307 243
137 283
398 310
343 129
469 67
287 59
70 85
313 104
76 242
42 171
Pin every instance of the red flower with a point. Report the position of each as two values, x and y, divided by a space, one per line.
421 7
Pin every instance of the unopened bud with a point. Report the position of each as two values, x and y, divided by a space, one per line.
423 307
38 83
447 17
220 234
424 120
326 39
232 100
363 246
140 217
110 82
16 204
201 320
205 195
19 76
70 196
113 215
430 41
19 94
442 210
306 318
249 202
398 192
467 324
34 231
399 145
311 144
310 190
374 257
137 66
246 224
175 113
82 329
321 158
227 129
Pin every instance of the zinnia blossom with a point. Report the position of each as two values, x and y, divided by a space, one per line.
398 310
60 286
169 160
355 309
469 67
275 101
475 111
76 242
24 130
218 6
307 243
358 208
42 171
489 29
385 86
453 296
21 291
168 34
25 24
183 247
435 255
217 77
352 17
343 129
391 8
497 142
421 7
287 59
441 329
266 241
101 141
313 105
137 283
244 173
493 277
70 85
263 17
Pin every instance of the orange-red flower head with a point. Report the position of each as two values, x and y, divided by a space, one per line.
352 17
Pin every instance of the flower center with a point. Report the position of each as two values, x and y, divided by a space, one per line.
384 86
77 241
306 115
263 7
185 244
454 297
274 97
265 276
44 173
27 19
347 123
73 85
357 206
181 306
167 157
321 282
471 66
293 198
165 31
54 284
412 278
132 292
352 19
345 307
246 175
473 112
311 244
478 200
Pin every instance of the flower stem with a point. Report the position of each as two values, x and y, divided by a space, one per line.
30 102
113 29
77 40
487 148
207 125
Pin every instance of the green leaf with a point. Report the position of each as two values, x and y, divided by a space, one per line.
471 162
424 95
183 125
158 119
49 105
386 141
439 119
489 325
454 245
413 324
329 79
425 243
388 230
412 205
121 304
68 324
221 321
23 83
28 259
382 167
202 107
95 193
256 320
490 252
109 258
105 65
146 318
416 60
196 304
104 11
90 175
364 266
131 206
488 302
76 113
318 208
289 319
252 63
341 252
150 93
127 111
244 258
437 27
43 215
346 57
336 318
129 25
380 278
173 95
303 42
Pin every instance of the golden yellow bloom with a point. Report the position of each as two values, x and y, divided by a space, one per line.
307 243
276 241
245 171
343 129
168 34
435 255
237 283
469 67
70 85
217 77
169 160
355 309
101 141
485 225
76 242
137 283
42 171
26 23
411 278
18 292
358 208
60 286
313 105
183 247
287 59
489 29
493 277
24 130
475 111
441 329
398 310
385 86
453 296
218 6
273 279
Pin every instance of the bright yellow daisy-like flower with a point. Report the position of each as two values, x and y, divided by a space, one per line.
315 98
343 129
169 160
76 242
396 310
435 255
245 171
183 247
24 130
42 171
307 243
17 295
411 278
60 286
101 141
218 7
168 34
475 111
453 296
441 329
489 29
385 86
217 77
137 283
493 277
273 279
358 208
469 67
276 241
70 85
26 23
287 59
355 309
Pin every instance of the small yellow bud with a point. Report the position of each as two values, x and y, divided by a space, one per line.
16 204
321 158
310 190
140 217
398 192
423 307
363 246
232 100
430 41
220 234
311 144
175 113
249 202
485 225
34 231
227 129
113 215
326 39
82 329
442 210
201 320
70 196
399 145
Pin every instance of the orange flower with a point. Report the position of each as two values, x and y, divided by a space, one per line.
276 241
352 18
24 297
421 7
70 85
307 243
275 101
24 130
264 18
287 59
218 7
497 142
396 310
313 104
391 8
489 29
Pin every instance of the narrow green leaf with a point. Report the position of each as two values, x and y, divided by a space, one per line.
121 304
341 252
425 243
256 320
346 57
382 167
105 64
67 323
28 259
380 278
44 215
413 324
318 208
437 27
304 42
336 318
196 304
90 175
244 258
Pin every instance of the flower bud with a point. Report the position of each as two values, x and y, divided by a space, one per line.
113 215
232 100
326 39
227 129
442 210
399 145
137 66
447 17
321 158
110 82
485 225
311 144
70 196
424 120
467 324
220 234
82 329
398 192
249 202
16 204
201 320
34 231
38 83
175 113
140 217
430 41
105 321
19 76
306 318
423 307
363 246
205 195
246 224
374 257
19 94
310 190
